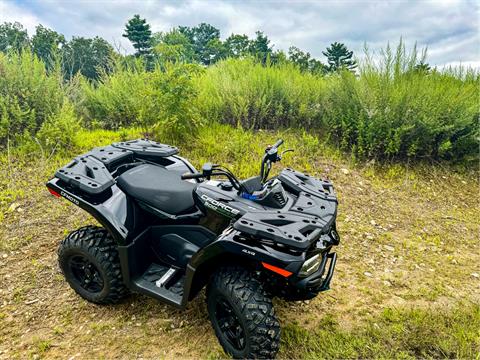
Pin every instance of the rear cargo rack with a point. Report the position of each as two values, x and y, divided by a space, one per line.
87 174
146 149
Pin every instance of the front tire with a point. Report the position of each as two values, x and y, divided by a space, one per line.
89 260
242 315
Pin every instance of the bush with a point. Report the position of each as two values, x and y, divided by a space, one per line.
393 111
245 93
59 130
27 95
159 101
390 110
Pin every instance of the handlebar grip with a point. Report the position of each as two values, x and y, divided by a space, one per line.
192 176
278 143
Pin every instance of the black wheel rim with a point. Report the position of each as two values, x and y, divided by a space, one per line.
229 324
86 274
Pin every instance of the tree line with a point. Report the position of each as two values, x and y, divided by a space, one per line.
200 44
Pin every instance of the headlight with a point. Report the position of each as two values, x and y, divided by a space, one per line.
310 266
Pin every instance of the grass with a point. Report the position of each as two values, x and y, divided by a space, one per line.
406 282
394 333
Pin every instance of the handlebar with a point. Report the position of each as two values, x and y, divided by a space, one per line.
278 143
192 176
208 170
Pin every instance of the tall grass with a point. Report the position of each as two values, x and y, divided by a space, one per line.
159 101
395 110
246 93
28 95
391 109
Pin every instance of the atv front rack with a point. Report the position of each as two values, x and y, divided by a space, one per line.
311 214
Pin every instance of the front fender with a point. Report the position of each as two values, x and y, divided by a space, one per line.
230 248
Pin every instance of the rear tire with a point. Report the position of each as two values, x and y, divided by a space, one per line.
242 315
89 260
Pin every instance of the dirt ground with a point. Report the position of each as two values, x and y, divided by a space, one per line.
409 238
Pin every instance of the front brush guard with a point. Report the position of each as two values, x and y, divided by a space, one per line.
317 282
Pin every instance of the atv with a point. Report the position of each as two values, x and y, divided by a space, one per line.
169 230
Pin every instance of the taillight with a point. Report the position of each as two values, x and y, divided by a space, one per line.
54 193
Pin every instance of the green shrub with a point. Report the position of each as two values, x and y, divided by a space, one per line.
245 93
114 101
159 101
392 111
59 130
27 95
389 110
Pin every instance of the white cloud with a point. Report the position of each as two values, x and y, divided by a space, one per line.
9 12
449 28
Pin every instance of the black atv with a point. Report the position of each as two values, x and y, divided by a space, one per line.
169 230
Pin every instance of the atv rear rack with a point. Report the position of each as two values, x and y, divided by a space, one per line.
91 173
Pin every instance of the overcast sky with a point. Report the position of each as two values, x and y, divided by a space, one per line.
450 28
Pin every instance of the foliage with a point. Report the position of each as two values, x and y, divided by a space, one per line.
305 62
389 111
59 130
173 46
158 101
396 108
205 40
260 47
138 31
27 94
339 57
166 103
245 93
13 37
46 43
89 57
393 111
237 46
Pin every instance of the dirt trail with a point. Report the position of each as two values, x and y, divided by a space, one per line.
407 240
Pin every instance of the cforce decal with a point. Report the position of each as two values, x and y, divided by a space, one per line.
219 207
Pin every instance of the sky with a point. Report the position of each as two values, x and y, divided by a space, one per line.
449 28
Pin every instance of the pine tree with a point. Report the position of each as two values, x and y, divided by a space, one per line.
339 57
138 32
260 47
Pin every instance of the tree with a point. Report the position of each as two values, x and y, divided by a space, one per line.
138 32
46 43
260 48
278 57
236 45
317 67
299 58
339 57
13 37
88 56
422 67
173 46
202 38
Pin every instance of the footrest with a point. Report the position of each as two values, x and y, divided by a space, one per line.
163 283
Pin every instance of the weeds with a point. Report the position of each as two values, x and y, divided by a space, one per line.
395 333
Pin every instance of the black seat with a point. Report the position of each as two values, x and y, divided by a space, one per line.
158 187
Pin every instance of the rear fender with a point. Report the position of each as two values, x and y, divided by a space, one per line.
100 212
